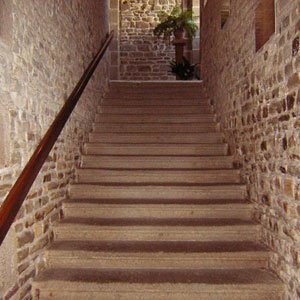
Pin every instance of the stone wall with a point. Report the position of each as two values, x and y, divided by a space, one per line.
143 56
257 101
114 24
137 54
44 48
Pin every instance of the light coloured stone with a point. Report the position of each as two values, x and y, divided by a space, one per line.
131 214
140 52
44 49
255 96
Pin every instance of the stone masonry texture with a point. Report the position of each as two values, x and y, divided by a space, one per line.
257 102
142 55
45 45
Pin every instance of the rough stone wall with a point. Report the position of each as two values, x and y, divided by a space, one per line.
257 101
143 56
44 48
114 24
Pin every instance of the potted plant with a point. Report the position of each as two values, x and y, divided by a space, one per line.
176 23
184 70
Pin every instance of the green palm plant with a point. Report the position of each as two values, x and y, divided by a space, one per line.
176 20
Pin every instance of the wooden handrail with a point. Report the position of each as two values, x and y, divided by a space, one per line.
20 189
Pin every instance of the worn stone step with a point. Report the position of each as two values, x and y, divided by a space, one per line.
144 92
153 85
85 208
155 162
154 109
158 176
157 284
122 100
151 138
142 229
165 150
177 201
158 212
111 191
146 118
157 255
155 128
174 92
159 94
114 84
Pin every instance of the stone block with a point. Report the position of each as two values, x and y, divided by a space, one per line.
25 238
293 81
289 188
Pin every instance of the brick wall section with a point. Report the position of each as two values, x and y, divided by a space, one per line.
50 45
257 101
143 56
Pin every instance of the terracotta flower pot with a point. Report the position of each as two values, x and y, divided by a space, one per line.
178 33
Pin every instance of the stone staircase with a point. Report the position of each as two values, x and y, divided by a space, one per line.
158 212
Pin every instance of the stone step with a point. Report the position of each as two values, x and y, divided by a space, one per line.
151 162
155 128
199 176
160 202
148 92
121 100
128 191
165 85
157 109
167 191
158 212
171 93
142 229
157 255
153 138
209 150
146 118
89 209
157 93
157 284
158 90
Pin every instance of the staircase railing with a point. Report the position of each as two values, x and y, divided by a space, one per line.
20 189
